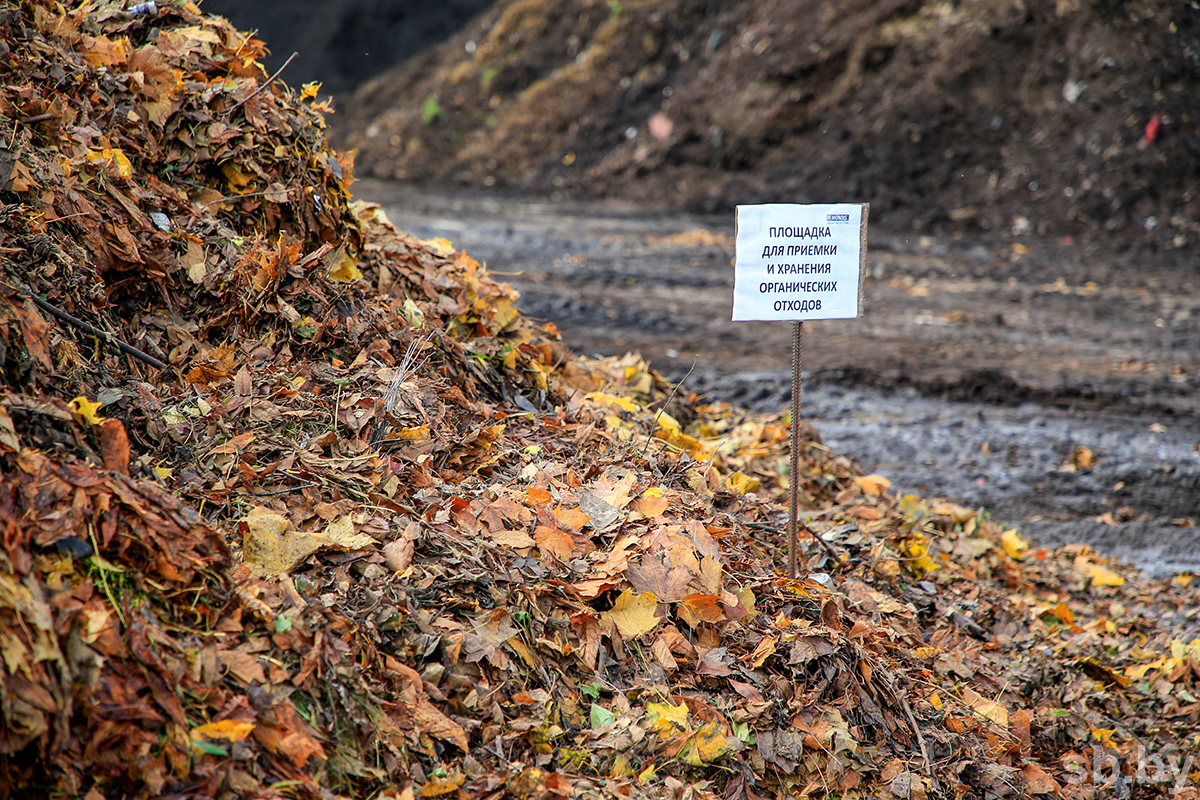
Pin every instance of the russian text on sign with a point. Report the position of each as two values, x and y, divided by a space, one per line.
770 237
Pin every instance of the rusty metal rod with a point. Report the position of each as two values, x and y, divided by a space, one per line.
795 560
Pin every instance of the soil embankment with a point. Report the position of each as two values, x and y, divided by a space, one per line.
1066 119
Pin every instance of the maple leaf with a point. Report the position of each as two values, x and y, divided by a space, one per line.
666 719
634 614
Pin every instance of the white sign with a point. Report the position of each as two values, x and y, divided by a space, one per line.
797 262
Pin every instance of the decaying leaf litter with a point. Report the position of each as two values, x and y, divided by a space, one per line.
374 533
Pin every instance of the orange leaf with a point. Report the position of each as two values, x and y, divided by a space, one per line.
428 719
233 445
229 729
537 496
651 505
1038 780
697 608
872 484
555 541
573 518
865 512
114 446
104 52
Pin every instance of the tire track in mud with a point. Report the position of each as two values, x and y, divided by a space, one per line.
975 373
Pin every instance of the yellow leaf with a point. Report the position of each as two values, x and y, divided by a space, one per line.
1103 576
638 379
646 775
341 534
439 246
86 410
309 90
503 314
742 483
239 181
114 162
668 426
872 484
918 560
955 512
745 597
345 270
1014 544
271 546
419 433
634 614
438 785
665 719
935 700
229 729
163 473
612 400
704 746
414 315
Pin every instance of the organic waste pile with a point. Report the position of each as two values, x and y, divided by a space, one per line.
296 505
981 117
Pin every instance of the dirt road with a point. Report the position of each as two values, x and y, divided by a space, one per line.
986 372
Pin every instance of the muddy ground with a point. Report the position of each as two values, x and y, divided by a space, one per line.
976 372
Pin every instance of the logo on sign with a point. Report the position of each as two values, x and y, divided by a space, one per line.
837 217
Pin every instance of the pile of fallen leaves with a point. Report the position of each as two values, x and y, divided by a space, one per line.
309 509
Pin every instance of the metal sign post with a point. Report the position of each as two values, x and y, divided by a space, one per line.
798 262
794 556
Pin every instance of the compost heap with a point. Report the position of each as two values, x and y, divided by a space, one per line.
299 505
979 117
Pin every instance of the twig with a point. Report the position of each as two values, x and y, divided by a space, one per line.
32 120
93 330
273 492
270 80
912 722
667 402
820 540
775 529
230 198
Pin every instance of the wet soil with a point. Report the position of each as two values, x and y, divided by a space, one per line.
977 372
978 117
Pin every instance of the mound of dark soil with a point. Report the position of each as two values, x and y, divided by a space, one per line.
1069 119
344 42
